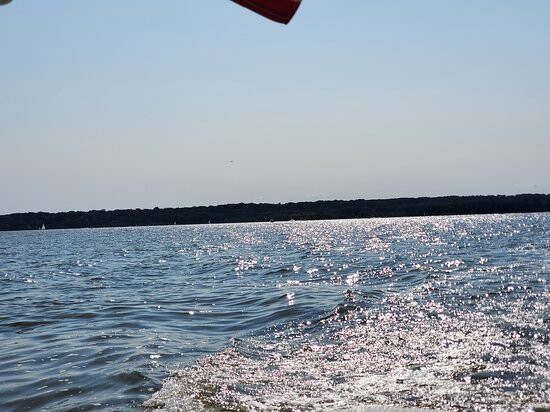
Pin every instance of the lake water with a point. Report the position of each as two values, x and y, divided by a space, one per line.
447 313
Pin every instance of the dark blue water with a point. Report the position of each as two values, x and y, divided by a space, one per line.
447 313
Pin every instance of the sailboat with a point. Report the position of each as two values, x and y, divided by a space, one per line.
43 227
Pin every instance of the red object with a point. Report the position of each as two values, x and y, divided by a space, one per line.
278 10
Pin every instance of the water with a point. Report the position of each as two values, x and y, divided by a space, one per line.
447 313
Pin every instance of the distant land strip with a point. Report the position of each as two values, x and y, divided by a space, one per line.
265 212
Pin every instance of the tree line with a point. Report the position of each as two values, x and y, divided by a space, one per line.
262 212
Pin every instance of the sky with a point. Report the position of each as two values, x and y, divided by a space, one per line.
174 103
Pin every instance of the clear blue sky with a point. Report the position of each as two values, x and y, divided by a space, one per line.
125 104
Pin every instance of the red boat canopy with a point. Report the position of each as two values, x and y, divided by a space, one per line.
278 10
281 11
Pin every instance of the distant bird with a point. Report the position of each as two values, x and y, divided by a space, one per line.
280 11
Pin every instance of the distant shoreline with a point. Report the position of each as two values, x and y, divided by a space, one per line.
265 212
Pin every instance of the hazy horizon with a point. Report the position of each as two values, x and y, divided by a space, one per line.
182 103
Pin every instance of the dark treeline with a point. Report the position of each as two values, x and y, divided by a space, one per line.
251 212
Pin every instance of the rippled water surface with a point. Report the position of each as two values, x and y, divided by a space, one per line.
446 313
